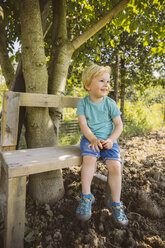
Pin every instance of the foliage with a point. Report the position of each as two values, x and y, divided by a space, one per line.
136 34
2 88
141 119
149 96
73 139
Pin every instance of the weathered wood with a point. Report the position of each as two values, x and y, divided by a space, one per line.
10 115
8 148
44 100
15 217
11 106
31 161
3 191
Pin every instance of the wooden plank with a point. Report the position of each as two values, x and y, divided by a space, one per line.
8 148
10 117
3 192
45 100
33 161
15 214
38 160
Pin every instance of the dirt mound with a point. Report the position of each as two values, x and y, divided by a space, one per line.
142 193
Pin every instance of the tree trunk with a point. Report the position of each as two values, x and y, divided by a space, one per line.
39 126
116 84
122 87
7 68
19 82
57 83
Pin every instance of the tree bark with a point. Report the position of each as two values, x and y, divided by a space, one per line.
39 128
19 82
116 84
60 58
122 87
7 68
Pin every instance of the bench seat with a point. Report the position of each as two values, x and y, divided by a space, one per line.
33 161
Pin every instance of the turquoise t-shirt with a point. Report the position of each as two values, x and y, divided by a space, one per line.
99 115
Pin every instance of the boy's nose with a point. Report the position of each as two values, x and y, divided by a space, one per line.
107 84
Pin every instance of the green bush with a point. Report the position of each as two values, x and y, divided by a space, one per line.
141 119
73 139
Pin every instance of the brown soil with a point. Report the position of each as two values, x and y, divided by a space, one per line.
142 193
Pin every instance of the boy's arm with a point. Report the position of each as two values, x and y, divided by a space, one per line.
108 143
95 143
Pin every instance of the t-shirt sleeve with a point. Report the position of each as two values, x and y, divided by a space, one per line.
114 110
80 108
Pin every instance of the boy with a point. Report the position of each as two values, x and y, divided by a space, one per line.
101 125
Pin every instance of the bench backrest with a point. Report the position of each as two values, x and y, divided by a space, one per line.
12 101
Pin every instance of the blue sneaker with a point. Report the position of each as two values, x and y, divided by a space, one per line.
83 211
118 213
117 209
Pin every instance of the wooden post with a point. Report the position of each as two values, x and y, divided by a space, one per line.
15 213
10 116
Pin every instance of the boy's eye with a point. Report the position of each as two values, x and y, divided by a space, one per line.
108 82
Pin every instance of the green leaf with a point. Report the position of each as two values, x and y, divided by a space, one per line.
112 43
145 43
30 237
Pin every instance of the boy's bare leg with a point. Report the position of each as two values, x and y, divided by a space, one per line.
114 179
87 173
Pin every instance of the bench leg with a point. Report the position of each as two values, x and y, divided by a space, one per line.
15 212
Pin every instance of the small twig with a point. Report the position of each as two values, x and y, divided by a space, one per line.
113 245
133 213
50 24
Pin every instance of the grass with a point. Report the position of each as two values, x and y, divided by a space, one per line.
142 119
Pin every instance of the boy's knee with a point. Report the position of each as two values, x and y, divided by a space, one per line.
89 160
113 166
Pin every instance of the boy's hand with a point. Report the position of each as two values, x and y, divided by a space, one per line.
107 144
95 143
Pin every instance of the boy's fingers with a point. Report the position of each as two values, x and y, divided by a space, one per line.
93 147
97 148
89 146
100 145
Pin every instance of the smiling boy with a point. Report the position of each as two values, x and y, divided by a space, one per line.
101 125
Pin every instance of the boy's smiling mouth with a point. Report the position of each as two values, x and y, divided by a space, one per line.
104 89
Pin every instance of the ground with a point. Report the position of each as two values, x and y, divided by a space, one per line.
142 193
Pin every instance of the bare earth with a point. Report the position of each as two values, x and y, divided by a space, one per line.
143 194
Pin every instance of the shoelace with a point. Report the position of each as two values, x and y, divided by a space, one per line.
85 205
118 212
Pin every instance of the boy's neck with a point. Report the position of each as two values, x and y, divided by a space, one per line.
95 99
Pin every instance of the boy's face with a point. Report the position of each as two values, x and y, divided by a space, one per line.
99 86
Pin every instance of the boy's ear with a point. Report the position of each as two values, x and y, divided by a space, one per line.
87 87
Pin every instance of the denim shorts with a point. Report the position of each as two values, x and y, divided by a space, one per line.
113 153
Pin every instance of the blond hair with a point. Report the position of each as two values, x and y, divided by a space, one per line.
93 70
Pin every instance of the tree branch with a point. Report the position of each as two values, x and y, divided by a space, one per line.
59 20
7 68
44 8
77 42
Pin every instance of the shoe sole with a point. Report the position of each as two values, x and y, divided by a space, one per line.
87 217
119 224
82 217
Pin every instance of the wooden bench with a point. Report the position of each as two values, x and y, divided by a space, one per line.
16 165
